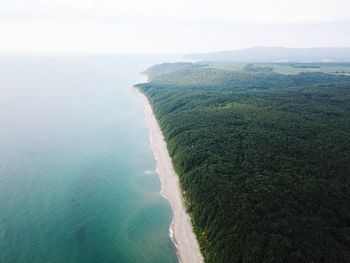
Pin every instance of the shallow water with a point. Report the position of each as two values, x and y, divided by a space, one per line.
77 174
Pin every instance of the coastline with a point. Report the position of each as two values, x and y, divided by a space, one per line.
180 231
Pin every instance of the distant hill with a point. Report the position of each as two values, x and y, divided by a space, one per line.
277 54
191 75
165 68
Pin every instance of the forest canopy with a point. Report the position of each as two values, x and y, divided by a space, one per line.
263 159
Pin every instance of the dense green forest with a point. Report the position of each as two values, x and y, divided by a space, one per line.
263 160
283 67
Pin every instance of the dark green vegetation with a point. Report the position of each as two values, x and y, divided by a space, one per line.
263 158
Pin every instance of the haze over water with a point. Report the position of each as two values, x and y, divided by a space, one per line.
77 175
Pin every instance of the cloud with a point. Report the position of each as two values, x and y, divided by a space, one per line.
166 25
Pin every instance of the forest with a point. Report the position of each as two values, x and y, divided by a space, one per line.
263 159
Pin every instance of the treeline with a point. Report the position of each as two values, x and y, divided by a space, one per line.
164 68
224 80
266 172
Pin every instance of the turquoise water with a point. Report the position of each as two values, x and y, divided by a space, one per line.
77 175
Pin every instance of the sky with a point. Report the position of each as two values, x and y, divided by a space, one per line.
170 26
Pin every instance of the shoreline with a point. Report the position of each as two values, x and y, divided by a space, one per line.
181 231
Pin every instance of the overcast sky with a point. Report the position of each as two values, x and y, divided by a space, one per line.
166 26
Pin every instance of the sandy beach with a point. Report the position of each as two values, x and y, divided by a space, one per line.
183 236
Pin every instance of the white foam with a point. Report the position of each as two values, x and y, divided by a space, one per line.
162 194
171 235
171 232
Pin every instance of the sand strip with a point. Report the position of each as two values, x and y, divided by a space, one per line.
183 237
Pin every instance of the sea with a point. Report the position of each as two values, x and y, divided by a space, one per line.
78 180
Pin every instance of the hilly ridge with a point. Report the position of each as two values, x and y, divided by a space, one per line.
277 54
